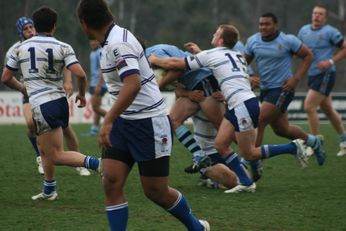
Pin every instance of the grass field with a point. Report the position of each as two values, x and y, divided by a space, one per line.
287 197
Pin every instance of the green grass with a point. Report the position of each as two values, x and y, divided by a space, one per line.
287 198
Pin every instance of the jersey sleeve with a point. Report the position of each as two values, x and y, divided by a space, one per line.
294 43
69 56
12 60
125 59
248 47
336 37
197 61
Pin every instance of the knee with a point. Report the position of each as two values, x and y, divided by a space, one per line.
308 108
280 131
111 186
221 148
155 194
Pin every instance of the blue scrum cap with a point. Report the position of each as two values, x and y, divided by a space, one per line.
23 21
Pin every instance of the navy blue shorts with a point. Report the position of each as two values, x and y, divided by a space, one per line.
144 139
277 97
208 85
323 82
51 115
244 116
92 90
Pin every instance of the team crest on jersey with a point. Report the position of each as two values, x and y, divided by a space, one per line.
119 60
164 140
280 46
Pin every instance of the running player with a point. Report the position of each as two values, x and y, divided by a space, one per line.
322 39
41 59
137 127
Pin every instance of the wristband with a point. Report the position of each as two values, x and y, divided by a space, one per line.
331 61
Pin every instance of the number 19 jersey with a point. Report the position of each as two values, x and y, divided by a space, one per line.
41 60
230 70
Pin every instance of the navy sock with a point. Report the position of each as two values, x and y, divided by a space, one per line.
91 162
268 151
233 162
49 186
117 216
182 211
34 144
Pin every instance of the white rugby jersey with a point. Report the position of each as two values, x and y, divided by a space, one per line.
229 68
41 60
121 56
7 56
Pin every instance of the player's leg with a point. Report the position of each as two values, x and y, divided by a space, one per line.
214 110
231 159
312 101
73 145
31 133
182 109
154 179
334 117
115 173
221 174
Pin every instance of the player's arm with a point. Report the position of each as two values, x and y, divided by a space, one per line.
130 89
306 55
168 63
68 84
80 75
98 87
339 55
170 76
9 80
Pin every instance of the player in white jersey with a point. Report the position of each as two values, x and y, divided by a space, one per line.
229 68
137 127
26 30
41 59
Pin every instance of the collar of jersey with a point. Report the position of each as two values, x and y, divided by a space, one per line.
107 34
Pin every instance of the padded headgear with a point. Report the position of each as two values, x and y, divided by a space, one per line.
21 22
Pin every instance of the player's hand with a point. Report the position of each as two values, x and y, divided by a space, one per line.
82 101
196 96
192 47
103 138
152 59
68 89
255 82
218 96
323 65
290 84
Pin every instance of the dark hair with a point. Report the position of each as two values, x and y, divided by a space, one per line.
230 35
270 15
44 19
320 5
95 13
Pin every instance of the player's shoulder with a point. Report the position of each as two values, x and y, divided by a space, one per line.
254 37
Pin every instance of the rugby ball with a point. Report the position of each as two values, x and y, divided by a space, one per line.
160 74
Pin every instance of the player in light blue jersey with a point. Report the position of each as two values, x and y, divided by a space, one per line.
241 117
200 80
137 127
323 40
97 87
273 52
41 59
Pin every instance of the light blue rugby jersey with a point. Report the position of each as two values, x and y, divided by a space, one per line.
273 58
322 42
95 67
239 46
190 78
